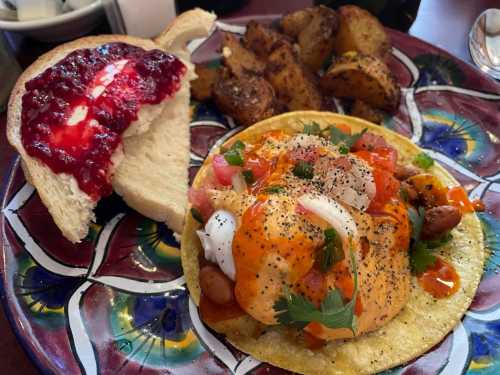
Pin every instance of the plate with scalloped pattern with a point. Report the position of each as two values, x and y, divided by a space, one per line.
117 302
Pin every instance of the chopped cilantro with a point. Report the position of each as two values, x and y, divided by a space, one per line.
297 311
343 149
331 252
423 161
249 177
421 258
443 240
238 145
312 128
416 219
274 189
338 137
303 170
234 156
196 215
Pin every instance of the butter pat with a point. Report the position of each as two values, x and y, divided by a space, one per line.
36 9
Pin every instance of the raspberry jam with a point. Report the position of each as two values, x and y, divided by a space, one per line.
73 114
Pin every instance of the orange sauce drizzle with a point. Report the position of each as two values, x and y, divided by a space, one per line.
250 247
344 282
478 205
312 342
440 280
458 197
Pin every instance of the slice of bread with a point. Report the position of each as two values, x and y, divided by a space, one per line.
153 176
70 207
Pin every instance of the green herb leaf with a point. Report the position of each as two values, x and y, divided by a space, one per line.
297 311
421 258
338 137
343 150
274 189
238 145
416 219
249 177
331 252
330 234
303 170
423 161
312 128
235 155
196 215
443 240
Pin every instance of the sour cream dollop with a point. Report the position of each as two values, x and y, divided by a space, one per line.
217 241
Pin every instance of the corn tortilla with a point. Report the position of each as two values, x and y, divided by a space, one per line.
422 323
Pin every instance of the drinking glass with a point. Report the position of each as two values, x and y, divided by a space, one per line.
9 71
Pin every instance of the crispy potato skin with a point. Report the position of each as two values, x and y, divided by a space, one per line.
248 99
293 23
317 39
315 29
261 39
363 77
238 59
365 111
202 86
295 86
360 31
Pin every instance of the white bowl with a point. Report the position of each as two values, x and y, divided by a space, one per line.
61 27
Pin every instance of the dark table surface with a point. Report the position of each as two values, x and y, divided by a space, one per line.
444 23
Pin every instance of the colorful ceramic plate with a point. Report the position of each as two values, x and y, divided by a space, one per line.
116 303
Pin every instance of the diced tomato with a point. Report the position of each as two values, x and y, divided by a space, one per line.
343 128
365 155
387 157
315 329
223 171
458 197
387 187
199 200
260 167
384 158
370 142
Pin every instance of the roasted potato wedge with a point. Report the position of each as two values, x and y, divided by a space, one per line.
316 40
295 86
202 86
248 99
293 23
238 59
261 39
363 77
365 111
362 32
